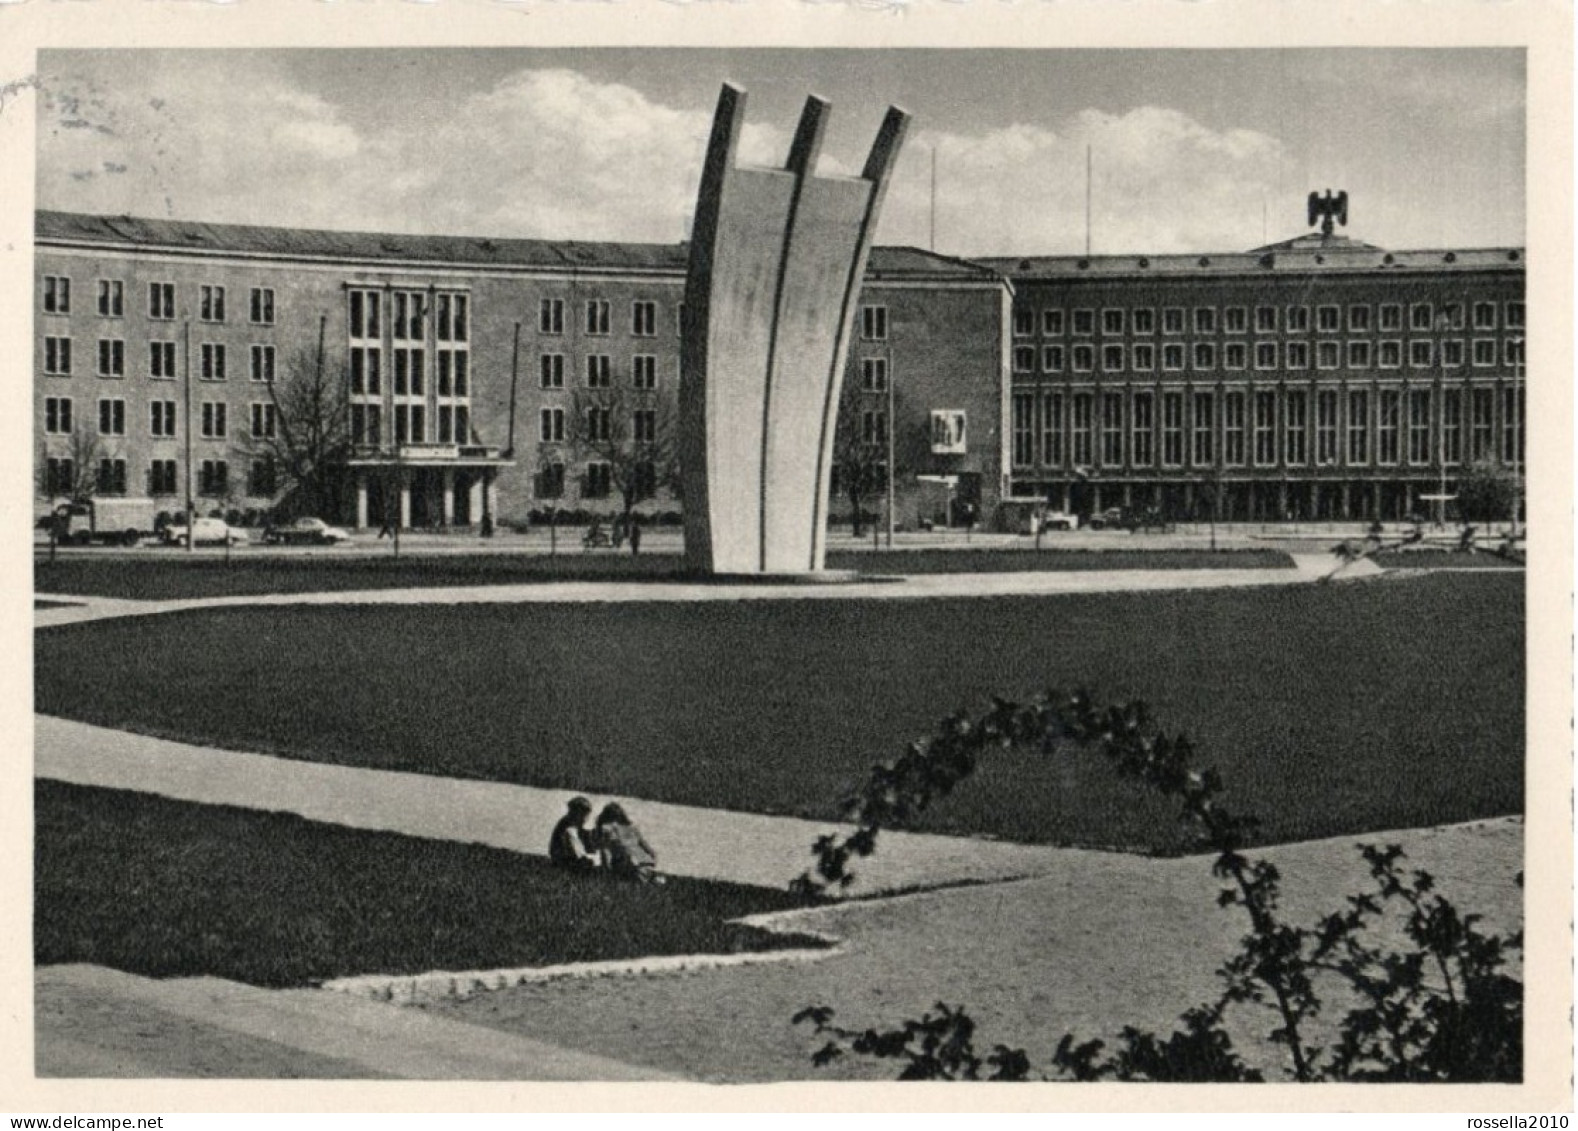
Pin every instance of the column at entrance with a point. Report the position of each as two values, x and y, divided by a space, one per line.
405 505
361 501
449 496
474 501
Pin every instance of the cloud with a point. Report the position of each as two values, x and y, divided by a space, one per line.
550 153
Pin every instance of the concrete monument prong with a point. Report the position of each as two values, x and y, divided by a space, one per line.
777 258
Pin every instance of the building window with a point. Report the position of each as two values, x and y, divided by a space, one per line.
57 416
1421 353
550 316
1358 427
597 317
643 371
1484 316
552 425
60 476
1512 351
1452 352
211 304
112 416
1452 314
1358 355
550 481
1084 322
1024 359
1233 429
643 319
161 419
112 476
1172 320
161 301
1328 319
57 294
1204 452
1265 428
367 424
1452 426
643 426
1022 424
1112 321
262 363
874 373
1143 357
1298 319
1204 356
599 480
1483 435
263 417
262 477
1265 355
1359 319
1172 356
874 426
57 357
161 477
1051 358
366 371
1205 320
1295 410
1484 352
1112 359
1024 324
453 317
1419 426
1235 355
599 424
1265 319
1514 318
161 360
1081 430
1051 322
1142 415
552 370
1235 320
1391 317
112 298
454 379
599 371
214 422
1298 355
1421 316
1328 355
874 323
1052 429
1389 427
1084 358
214 479
1512 425
1143 320
1172 429
1112 429
260 310
410 423
213 354
364 315
1391 354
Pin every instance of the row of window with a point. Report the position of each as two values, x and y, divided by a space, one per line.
408 313
1265 428
1327 319
597 480
451 372
59 418
451 424
600 425
213 480
1391 353
56 295
212 359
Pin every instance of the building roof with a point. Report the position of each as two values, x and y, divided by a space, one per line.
1314 252
310 243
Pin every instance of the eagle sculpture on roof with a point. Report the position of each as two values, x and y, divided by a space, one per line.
1328 208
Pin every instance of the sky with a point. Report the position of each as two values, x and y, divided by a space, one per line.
1189 150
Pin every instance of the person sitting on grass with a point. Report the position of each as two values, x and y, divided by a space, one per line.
626 853
571 846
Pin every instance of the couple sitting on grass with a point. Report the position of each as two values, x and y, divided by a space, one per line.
614 845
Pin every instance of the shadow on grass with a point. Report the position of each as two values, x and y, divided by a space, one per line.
166 889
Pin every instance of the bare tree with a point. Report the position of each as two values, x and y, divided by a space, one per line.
860 446
77 478
308 442
633 432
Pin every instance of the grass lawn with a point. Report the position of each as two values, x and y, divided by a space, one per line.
167 575
173 889
1444 559
1328 709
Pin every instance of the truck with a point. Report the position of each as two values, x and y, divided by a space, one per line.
105 522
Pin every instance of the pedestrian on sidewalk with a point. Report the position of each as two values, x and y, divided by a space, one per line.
635 538
571 845
625 852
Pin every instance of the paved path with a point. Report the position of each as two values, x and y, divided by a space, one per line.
1306 568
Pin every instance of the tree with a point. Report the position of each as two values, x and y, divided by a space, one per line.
1487 491
309 443
633 432
74 473
860 446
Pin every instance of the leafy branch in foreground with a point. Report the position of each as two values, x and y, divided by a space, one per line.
1442 1009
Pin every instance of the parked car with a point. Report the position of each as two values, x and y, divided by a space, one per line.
1059 520
305 532
1124 518
206 531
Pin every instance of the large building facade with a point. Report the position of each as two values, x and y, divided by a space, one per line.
1318 378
